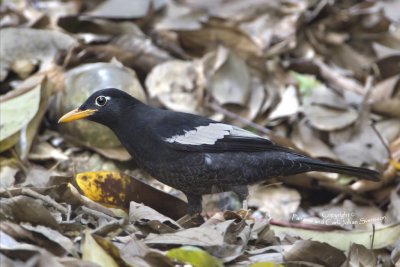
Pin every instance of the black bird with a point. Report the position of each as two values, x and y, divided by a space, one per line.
195 154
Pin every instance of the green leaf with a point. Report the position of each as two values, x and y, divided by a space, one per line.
17 112
193 256
306 83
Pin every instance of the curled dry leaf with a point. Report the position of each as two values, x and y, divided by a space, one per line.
45 151
27 209
236 236
361 256
288 106
133 252
8 243
304 250
198 40
136 253
326 111
21 47
385 97
54 236
17 232
100 28
231 236
178 85
116 189
390 7
306 138
123 9
7 175
228 78
363 146
203 236
37 176
157 221
144 53
277 201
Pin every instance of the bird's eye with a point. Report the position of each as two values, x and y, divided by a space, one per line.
101 101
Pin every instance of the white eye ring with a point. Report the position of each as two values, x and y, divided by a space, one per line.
101 100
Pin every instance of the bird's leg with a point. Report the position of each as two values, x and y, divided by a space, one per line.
242 192
194 204
193 217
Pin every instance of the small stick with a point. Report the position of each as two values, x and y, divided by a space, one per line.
373 236
97 214
382 141
69 213
108 227
234 116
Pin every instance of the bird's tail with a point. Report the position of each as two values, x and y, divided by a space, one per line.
363 173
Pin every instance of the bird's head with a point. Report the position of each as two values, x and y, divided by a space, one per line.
104 106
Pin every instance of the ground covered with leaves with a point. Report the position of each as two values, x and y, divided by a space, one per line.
321 77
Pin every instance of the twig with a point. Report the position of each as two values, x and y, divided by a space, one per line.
337 81
317 9
382 141
96 213
46 199
108 227
363 110
367 91
373 236
234 116
306 226
69 213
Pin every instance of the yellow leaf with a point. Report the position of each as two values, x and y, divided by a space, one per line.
116 190
93 252
105 187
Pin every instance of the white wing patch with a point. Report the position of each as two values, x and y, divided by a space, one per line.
209 134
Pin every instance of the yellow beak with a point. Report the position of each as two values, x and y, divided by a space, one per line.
76 114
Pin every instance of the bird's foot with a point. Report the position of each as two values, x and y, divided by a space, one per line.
245 212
